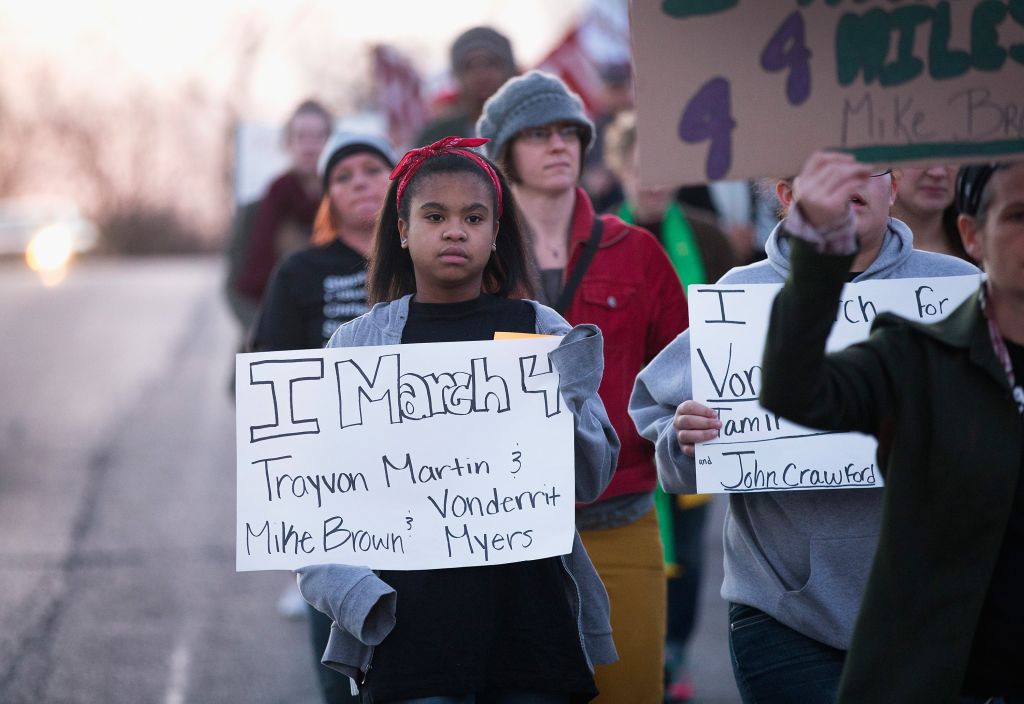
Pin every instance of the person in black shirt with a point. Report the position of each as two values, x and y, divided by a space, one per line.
316 289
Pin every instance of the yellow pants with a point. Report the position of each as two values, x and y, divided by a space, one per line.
629 561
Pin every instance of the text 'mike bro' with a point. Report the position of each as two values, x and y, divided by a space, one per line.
888 82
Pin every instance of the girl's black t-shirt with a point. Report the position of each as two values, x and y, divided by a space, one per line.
477 319
310 294
479 629
996 664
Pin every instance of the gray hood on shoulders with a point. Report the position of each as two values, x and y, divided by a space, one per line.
802 557
897 245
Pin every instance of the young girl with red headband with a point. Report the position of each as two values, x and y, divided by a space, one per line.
447 264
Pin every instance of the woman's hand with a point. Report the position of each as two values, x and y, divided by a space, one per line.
694 422
825 185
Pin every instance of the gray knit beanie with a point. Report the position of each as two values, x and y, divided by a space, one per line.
531 100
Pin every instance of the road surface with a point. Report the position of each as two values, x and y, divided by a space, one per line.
117 502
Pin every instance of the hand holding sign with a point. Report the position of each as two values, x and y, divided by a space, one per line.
694 422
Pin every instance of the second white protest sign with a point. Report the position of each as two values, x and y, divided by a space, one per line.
756 449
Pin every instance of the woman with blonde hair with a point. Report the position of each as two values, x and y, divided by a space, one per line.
924 201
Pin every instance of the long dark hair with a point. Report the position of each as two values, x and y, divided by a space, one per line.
951 232
390 274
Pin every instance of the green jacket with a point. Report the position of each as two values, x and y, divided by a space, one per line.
949 433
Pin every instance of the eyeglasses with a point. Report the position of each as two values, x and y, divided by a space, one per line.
541 135
882 173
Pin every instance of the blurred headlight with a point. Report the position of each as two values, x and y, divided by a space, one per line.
50 250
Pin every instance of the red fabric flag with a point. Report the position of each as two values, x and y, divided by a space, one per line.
398 94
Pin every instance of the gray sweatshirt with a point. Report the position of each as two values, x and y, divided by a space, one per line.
363 607
802 556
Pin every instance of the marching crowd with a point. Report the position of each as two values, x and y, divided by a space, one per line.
897 594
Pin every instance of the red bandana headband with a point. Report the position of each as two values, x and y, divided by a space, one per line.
415 158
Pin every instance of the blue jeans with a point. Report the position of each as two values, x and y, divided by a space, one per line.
774 664
684 589
493 698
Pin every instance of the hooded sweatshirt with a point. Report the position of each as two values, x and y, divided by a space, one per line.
364 608
802 557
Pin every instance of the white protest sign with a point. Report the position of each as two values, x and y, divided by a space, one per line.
728 89
403 457
757 450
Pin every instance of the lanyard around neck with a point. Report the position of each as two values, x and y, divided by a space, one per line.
999 345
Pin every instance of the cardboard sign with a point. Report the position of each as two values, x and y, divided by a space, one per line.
403 457
757 450
740 90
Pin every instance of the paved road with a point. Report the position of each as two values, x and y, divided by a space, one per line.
117 579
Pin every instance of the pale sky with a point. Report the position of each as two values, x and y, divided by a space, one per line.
98 44
162 82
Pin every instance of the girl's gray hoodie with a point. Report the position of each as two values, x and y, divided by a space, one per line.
362 606
800 556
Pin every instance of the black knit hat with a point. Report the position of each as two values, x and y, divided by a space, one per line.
342 145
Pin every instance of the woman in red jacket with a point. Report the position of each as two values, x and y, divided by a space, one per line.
597 269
